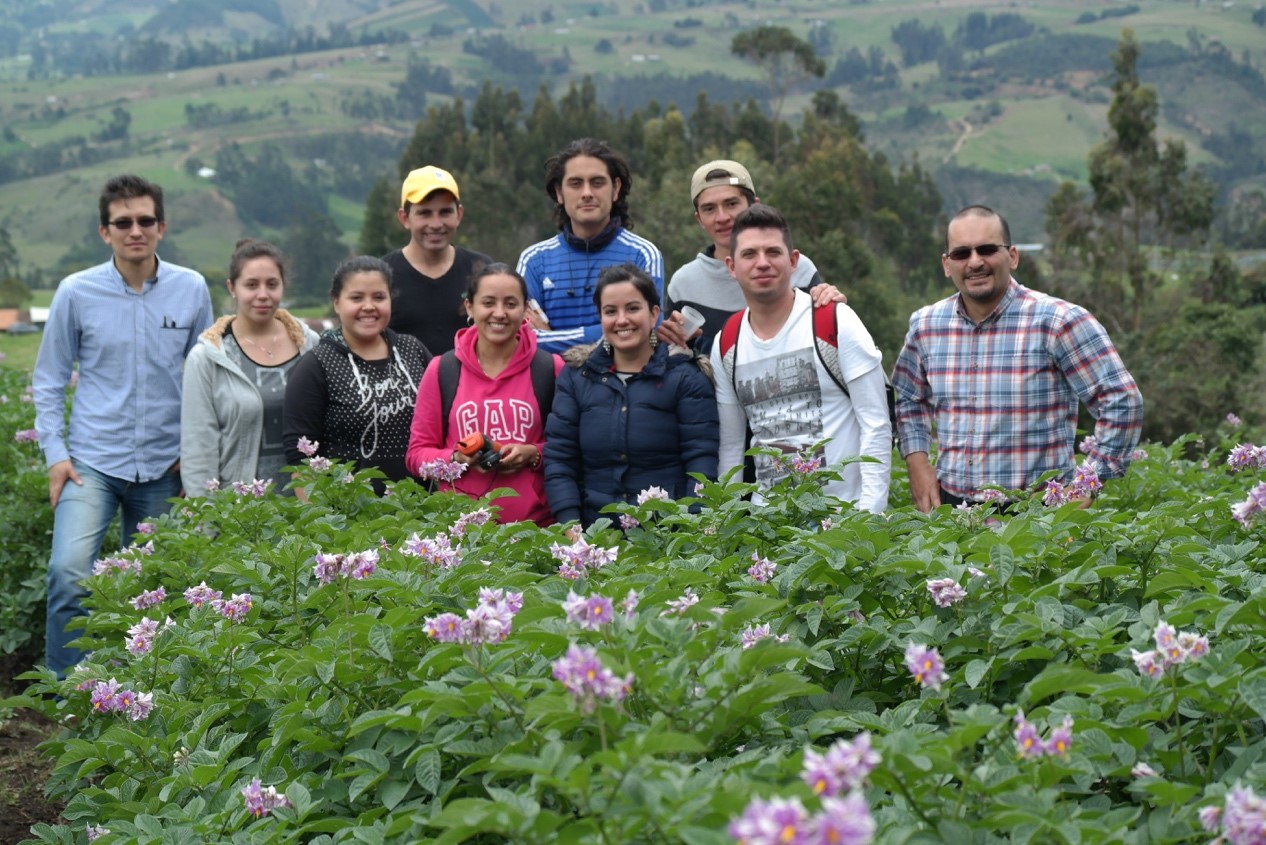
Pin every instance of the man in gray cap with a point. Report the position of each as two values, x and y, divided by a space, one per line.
720 190
430 273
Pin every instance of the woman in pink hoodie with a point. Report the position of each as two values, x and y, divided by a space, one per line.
494 383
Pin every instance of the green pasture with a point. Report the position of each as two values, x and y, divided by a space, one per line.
19 350
1030 134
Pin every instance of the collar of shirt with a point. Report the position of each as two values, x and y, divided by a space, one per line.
1013 288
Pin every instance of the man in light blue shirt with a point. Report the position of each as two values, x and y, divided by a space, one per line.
128 324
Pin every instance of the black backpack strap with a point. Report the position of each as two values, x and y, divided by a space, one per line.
450 375
543 382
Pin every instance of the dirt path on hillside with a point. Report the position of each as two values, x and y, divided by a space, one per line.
958 144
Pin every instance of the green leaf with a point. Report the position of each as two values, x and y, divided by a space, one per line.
301 798
1061 678
427 771
380 641
1253 691
975 671
392 792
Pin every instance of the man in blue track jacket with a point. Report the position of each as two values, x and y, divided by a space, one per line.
589 183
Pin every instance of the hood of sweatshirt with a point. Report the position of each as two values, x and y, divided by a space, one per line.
464 347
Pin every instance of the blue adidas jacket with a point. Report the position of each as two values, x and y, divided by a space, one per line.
562 273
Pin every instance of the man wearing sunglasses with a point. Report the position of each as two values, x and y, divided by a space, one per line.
128 324
997 370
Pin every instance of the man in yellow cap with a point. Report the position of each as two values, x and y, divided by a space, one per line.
430 273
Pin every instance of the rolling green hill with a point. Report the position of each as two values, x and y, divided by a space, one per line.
166 88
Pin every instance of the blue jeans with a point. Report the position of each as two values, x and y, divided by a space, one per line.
80 522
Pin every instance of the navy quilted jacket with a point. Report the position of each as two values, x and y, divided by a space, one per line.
607 440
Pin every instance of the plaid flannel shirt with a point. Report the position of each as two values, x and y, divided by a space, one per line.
1002 394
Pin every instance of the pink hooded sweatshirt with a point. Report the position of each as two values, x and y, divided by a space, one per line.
502 408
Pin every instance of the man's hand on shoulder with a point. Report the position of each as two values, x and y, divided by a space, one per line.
825 294
925 489
58 474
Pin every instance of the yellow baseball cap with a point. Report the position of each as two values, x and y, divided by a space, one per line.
424 181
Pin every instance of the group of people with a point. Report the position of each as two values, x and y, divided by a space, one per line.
575 379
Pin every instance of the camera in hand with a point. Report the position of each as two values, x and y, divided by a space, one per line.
483 451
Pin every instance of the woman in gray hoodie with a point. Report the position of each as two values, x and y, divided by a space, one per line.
235 379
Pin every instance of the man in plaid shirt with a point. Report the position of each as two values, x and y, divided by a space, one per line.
998 369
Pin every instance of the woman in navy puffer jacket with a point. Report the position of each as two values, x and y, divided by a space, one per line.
628 414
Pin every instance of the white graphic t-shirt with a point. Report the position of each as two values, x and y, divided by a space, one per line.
783 392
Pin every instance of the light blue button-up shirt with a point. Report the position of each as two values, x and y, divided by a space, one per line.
130 347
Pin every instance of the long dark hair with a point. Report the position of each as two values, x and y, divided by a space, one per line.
617 168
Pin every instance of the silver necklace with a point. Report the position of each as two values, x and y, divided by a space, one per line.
259 346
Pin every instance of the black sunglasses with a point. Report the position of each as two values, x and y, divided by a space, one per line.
962 253
123 224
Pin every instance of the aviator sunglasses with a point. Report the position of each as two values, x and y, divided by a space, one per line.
123 224
962 253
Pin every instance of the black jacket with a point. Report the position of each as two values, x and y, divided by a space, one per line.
357 410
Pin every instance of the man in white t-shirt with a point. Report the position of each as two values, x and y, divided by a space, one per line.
776 382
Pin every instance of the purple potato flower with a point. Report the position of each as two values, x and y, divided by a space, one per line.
235 608
843 821
479 516
261 800
149 598
1061 738
360 565
678 606
762 569
1244 817
201 594
437 551
583 675
578 558
845 765
307 447
1246 456
1028 742
590 613
926 665
441 469
653 494
946 591
445 628
778 821
1143 770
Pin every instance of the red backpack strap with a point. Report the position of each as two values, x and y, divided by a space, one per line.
730 332
826 342
729 344
826 325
